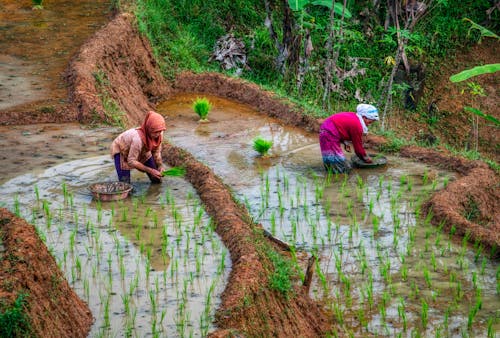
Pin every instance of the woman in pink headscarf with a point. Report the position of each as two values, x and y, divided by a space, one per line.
341 128
140 148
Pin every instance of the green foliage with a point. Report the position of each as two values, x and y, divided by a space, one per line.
479 70
483 115
262 145
113 114
184 38
280 279
471 210
393 145
482 30
14 322
183 32
37 4
300 5
202 107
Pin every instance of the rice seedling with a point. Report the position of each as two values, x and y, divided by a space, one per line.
427 277
409 184
424 313
491 330
369 290
339 313
383 312
86 289
78 267
483 266
375 223
473 312
202 107
37 193
425 177
402 313
17 210
434 185
107 322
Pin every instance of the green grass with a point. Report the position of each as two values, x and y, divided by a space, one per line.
393 144
280 278
113 114
14 321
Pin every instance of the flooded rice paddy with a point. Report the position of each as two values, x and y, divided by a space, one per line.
151 265
381 269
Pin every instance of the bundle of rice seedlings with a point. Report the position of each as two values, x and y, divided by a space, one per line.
202 107
262 145
174 171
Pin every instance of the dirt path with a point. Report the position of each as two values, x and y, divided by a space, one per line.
130 79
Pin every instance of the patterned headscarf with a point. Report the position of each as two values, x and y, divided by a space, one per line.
368 111
152 123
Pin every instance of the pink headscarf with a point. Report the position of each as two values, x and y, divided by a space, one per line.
152 123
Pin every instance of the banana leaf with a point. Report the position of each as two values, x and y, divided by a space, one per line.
479 70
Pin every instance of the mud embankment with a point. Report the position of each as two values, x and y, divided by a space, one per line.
27 267
115 72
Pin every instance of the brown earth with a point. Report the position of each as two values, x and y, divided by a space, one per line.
134 83
26 266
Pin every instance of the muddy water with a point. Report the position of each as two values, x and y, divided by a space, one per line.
381 270
35 148
148 265
35 46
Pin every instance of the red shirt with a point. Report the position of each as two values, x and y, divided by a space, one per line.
350 129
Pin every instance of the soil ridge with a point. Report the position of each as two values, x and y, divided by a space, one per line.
26 266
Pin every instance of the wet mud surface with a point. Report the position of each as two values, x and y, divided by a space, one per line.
36 147
36 46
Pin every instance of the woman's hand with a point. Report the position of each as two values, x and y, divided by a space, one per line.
155 173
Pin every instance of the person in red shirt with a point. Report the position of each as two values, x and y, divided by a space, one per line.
341 128
140 148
